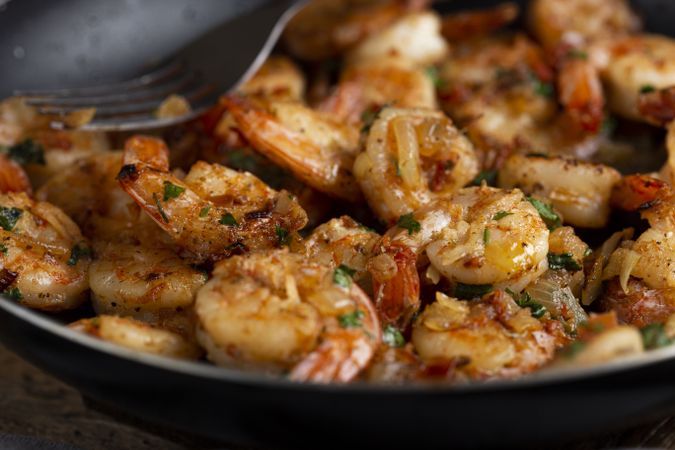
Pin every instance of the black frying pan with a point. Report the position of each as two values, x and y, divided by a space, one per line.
253 409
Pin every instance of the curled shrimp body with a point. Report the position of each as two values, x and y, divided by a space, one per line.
579 190
631 64
315 148
412 156
136 335
499 240
277 310
414 37
43 258
215 211
494 336
151 284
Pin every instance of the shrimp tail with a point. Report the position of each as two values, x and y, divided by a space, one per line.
397 298
581 94
13 178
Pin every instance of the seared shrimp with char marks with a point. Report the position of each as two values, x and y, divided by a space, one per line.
43 257
412 156
279 311
215 211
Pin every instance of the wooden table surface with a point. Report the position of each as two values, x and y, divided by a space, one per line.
35 404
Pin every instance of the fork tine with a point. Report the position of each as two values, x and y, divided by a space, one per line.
145 120
166 71
192 95
159 91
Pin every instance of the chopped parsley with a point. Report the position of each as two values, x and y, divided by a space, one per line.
228 219
546 212
241 159
171 190
392 336
408 222
541 87
432 72
573 349
500 215
3 249
654 336
647 88
471 291
204 211
560 261
351 320
160 209
342 276
78 251
283 236
9 217
489 176
524 300
578 54
27 152
13 294
486 235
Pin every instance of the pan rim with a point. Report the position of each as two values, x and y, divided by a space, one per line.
544 378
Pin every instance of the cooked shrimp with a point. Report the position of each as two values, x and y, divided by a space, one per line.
215 211
579 190
638 305
137 335
580 92
12 177
43 256
499 240
412 156
580 21
148 283
43 151
342 242
279 77
368 86
279 311
658 106
316 149
326 28
414 37
496 336
631 65
467 25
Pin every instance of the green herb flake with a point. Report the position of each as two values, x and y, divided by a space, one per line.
573 349
433 73
577 54
537 310
78 251
351 320
3 249
13 294
241 159
9 217
342 276
204 211
654 336
488 176
546 212
408 222
471 291
392 336
560 261
171 190
27 152
283 236
228 219
647 88
542 88
160 209
501 214
486 236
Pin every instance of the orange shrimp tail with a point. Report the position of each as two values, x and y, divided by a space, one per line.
658 106
13 178
147 150
638 192
398 298
581 94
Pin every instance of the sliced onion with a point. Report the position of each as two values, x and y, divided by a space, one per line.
594 280
408 152
630 259
559 301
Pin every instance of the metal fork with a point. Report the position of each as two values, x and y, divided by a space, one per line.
217 62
